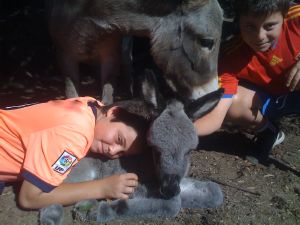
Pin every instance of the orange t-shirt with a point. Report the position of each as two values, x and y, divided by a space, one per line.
42 142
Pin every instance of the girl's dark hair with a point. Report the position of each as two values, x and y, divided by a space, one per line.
261 7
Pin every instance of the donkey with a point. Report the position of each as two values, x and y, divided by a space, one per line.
184 35
163 186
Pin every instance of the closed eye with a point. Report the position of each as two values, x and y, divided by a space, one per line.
121 140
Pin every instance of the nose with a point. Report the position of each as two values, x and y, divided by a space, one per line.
114 150
170 185
261 34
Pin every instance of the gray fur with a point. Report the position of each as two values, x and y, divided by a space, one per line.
184 34
172 136
51 215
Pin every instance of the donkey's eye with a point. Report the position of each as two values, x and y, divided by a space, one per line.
207 43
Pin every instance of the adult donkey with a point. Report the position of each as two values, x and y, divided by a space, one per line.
184 35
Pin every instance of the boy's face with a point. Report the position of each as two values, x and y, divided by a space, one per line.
261 32
113 139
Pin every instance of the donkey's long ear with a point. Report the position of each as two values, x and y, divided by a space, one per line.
149 104
203 105
150 91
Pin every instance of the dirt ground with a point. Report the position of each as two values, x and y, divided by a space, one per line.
253 195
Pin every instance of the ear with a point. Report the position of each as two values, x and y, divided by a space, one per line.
150 91
149 105
112 111
203 105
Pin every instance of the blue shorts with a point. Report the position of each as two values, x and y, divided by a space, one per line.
282 105
276 106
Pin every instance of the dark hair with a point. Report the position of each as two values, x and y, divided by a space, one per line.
261 7
137 122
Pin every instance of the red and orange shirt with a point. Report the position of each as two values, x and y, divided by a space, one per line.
42 142
264 69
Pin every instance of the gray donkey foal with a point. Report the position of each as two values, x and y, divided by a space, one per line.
184 35
163 186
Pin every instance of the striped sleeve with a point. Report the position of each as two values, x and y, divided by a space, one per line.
293 16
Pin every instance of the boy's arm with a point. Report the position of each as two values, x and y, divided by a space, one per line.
293 77
212 121
116 186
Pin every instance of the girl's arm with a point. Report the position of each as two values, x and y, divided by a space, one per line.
212 121
112 187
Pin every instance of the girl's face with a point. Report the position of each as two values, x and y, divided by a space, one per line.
261 32
113 139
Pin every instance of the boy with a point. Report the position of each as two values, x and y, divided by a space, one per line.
260 73
39 145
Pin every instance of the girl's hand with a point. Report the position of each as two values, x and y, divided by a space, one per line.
293 78
119 186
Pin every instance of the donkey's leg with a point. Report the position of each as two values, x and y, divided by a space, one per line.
134 208
70 69
51 215
110 57
200 194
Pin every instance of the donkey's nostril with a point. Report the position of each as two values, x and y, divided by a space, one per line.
169 192
170 186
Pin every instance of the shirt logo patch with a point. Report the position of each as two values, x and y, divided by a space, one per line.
64 162
275 60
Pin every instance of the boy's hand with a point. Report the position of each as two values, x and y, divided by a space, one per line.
119 186
293 78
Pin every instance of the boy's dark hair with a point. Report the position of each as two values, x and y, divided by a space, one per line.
137 122
122 115
261 7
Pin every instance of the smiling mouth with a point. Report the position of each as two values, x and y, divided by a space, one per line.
101 148
105 149
263 45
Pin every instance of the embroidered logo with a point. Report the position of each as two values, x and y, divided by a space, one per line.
64 162
275 60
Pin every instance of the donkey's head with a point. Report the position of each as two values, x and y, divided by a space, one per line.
171 134
185 45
